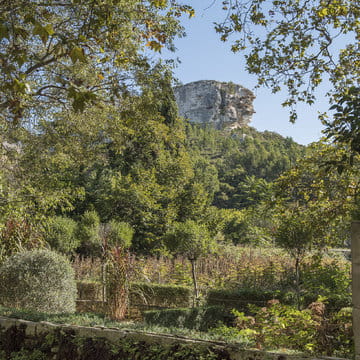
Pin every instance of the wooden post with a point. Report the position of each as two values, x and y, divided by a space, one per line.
355 259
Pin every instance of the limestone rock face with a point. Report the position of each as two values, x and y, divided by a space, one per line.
220 104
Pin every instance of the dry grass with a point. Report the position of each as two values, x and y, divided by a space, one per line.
230 267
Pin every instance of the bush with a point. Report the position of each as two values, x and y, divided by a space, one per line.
60 234
340 337
87 233
239 299
201 318
334 302
329 278
119 234
160 295
39 280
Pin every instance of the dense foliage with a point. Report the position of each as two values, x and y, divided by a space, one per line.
65 344
277 326
61 54
84 107
241 164
38 280
297 45
96 164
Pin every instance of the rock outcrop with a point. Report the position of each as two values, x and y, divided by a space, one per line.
220 104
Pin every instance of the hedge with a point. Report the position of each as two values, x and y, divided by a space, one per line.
159 295
40 280
201 318
147 294
239 299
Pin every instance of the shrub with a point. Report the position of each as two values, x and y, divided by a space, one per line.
201 318
334 302
60 234
160 295
281 326
87 233
329 278
39 280
340 337
119 234
274 327
239 299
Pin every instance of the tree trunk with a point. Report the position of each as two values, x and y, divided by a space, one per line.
355 259
193 272
297 281
103 280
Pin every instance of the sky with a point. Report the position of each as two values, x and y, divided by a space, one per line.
204 57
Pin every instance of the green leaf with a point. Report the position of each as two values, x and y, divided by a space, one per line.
49 29
4 31
77 54
41 32
159 3
154 45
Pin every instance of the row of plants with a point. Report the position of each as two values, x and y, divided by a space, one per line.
236 274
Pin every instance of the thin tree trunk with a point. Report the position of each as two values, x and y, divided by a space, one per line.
103 280
297 281
355 259
193 272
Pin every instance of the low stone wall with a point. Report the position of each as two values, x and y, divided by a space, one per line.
31 329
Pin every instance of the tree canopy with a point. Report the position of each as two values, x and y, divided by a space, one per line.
56 54
87 116
296 44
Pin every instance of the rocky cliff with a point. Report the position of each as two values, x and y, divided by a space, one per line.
220 104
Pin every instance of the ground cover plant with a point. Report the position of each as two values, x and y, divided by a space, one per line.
278 326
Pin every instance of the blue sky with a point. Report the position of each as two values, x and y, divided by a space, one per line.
204 57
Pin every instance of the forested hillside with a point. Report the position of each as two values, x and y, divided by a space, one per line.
241 163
